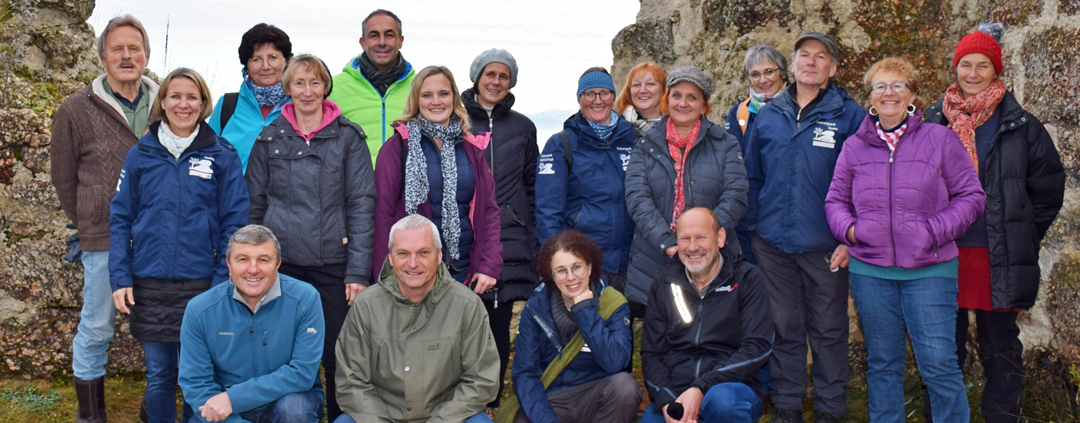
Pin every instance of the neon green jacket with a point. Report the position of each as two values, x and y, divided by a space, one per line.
361 103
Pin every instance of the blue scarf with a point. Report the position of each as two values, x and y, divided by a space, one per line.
266 96
604 131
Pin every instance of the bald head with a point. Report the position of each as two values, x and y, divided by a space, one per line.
700 238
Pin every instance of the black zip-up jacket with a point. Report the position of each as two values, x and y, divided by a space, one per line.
317 197
728 339
511 154
1024 183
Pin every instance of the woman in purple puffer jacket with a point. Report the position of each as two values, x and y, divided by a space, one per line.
902 192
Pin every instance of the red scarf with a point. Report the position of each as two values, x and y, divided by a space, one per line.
676 143
965 115
890 138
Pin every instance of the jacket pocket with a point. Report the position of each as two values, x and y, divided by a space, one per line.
99 205
507 214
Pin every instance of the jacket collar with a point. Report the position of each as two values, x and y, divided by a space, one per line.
205 138
723 277
657 135
831 104
579 125
97 88
271 295
477 112
868 129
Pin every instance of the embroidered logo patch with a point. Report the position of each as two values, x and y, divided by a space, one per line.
824 138
546 169
225 333
201 167
312 331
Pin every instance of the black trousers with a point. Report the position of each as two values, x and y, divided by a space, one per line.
499 320
329 280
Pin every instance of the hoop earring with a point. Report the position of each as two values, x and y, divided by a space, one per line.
911 109
872 111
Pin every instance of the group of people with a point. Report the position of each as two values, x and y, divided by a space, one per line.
381 223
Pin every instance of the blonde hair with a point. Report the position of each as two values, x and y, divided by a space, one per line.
624 99
412 104
204 92
899 66
310 63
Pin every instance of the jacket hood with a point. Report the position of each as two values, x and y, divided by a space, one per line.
868 128
330 110
476 111
388 280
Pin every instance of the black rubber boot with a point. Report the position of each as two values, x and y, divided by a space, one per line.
91 395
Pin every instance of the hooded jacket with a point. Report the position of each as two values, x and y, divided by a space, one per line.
1024 183
538 344
402 361
789 161
511 156
908 207
589 196
90 138
246 121
700 341
319 196
256 357
360 102
486 253
713 177
172 218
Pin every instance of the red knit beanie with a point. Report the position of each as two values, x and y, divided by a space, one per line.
979 42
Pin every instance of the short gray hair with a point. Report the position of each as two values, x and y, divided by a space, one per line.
119 21
397 20
414 221
762 53
253 235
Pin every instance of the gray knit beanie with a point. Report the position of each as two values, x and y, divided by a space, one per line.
693 75
494 55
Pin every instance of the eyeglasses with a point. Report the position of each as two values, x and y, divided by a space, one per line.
257 60
578 269
604 95
897 87
768 73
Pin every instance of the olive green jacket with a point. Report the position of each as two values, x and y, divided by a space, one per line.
402 361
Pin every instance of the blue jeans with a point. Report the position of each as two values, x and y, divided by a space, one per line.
90 348
297 407
476 418
724 402
162 365
927 309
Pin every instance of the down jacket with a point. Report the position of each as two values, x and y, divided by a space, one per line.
789 161
908 207
511 154
728 337
1024 183
538 344
589 196
318 197
172 218
486 253
713 177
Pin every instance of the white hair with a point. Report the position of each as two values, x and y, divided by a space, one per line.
413 221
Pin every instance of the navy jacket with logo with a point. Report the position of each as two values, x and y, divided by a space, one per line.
790 161
172 219
590 197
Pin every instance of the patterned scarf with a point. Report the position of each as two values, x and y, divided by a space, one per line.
757 101
643 124
267 96
604 131
676 143
175 144
890 138
965 115
381 78
416 180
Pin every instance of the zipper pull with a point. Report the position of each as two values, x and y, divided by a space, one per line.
891 156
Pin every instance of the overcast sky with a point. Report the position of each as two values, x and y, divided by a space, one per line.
553 41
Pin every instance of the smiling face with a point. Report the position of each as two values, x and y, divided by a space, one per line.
253 270
494 84
766 84
381 41
415 261
436 99
686 103
265 65
571 274
182 104
125 55
598 109
814 65
699 242
974 72
307 91
645 92
891 106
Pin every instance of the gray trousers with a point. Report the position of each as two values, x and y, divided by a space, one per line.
612 399
808 301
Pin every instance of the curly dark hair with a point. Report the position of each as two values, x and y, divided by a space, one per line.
575 243
263 34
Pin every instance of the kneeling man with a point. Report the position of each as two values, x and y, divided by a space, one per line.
708 330
417 346
250 350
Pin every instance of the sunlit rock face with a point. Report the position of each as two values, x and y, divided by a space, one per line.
1042 63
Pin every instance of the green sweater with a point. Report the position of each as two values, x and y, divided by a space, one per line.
361 103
